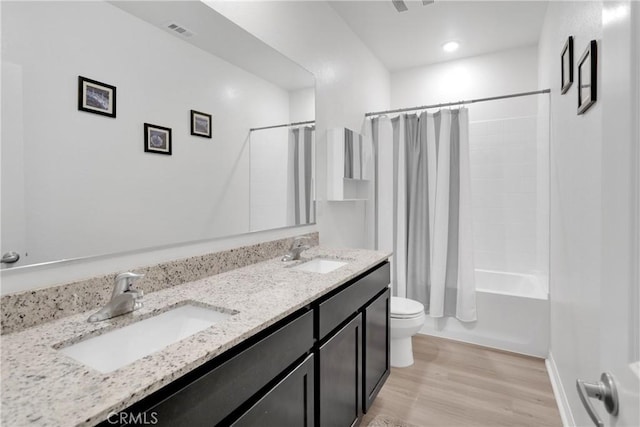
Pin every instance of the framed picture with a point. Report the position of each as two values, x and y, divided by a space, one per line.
96 97
566 58
588 77
200 124
157 139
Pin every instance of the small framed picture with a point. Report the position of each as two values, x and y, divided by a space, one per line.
96 97
566 58
157 139
200 124
588 77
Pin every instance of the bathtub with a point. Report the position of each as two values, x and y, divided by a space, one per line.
513 314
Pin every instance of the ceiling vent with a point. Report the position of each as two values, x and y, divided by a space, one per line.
178 29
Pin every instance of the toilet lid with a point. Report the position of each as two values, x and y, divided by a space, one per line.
403 307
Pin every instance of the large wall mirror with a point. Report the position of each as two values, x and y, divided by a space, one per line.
77 184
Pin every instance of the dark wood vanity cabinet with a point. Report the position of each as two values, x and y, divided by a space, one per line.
376 347
354 337
321 366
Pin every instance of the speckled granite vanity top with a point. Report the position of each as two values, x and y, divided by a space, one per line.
43 387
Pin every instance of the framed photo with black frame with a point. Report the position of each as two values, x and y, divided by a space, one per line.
200 124
566 60
157 139
96 97
588 77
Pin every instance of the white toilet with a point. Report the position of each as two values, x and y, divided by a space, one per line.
407 318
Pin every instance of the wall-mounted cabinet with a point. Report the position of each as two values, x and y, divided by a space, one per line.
349 165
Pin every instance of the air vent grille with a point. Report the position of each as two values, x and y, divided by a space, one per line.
178 29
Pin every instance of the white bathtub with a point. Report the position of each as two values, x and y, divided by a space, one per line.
514 284
513 315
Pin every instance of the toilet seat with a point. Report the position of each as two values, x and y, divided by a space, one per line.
404 308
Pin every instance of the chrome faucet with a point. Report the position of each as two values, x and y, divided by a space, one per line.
124 298
298 245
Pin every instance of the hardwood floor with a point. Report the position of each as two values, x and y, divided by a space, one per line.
458 384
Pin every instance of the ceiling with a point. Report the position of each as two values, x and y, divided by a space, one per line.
415 37
212 33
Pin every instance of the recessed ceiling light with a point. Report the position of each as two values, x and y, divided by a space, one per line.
450 46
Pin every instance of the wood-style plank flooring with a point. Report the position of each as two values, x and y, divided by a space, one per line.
458 384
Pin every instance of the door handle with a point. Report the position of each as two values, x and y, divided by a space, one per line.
10 257
604 390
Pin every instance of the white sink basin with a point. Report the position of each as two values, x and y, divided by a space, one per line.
319 265
120 347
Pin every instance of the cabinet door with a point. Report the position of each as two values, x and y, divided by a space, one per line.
340 377
376 347
289 403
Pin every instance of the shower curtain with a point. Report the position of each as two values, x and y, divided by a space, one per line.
300 176
424 161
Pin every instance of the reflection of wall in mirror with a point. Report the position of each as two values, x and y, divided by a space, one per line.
90 189
282 177
269 155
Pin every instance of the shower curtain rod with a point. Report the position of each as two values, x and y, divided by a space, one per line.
449 104
284 125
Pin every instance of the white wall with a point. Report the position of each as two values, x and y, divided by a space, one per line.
90 187
575 203
350 81
499 73
302 105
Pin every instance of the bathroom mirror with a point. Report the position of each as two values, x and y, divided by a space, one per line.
77 183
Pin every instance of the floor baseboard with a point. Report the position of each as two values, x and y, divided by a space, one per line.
558 392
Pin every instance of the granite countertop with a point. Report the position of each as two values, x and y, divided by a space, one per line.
44 387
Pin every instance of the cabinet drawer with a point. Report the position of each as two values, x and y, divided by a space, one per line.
216 394
339 307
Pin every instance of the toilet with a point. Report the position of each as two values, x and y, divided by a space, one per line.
407 318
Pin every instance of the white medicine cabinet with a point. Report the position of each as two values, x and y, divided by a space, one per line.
349 165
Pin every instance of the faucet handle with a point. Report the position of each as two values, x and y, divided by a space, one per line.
300 242
124 282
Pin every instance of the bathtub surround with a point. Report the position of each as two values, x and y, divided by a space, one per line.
504 193
22 310
430 213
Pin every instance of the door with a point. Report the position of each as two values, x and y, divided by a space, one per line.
619 327
340 377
